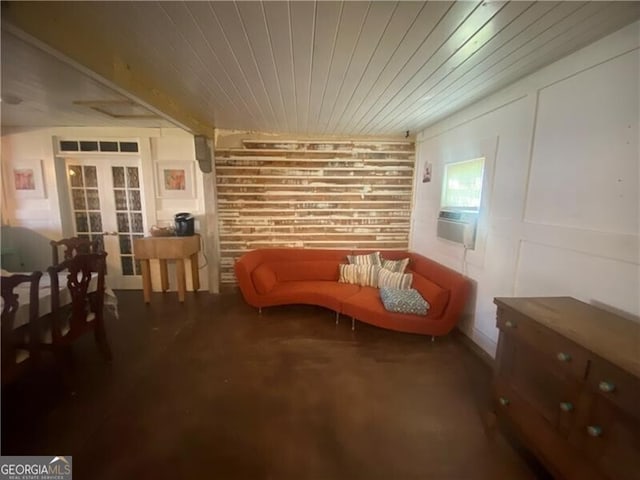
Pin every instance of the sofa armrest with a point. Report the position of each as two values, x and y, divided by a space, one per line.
457 302
243 268
458 285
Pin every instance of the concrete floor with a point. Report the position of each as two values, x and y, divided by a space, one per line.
210 389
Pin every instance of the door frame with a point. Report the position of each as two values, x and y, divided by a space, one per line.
147 185
146 165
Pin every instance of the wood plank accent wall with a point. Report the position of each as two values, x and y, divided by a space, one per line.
313 194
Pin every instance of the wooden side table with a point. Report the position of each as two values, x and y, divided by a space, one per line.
163 249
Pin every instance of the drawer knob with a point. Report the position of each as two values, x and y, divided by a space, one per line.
566 406
563 357
606 387
594 430
504 401
509 324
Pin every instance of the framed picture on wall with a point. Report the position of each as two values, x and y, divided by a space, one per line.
175 179
426 173
26 179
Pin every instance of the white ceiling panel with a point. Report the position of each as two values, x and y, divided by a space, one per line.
41 91
240 52
351 34
254 28
482 25
329 17
457 27
583 22
342 68
405 35
302 21
277 21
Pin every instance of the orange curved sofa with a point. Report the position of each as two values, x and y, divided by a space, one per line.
286 276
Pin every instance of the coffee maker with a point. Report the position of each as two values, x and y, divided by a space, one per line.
184 224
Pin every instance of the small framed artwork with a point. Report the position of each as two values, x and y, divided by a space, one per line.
26 179
175 179
426 173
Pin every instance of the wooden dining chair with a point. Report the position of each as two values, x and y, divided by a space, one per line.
86 285
73 246
19 344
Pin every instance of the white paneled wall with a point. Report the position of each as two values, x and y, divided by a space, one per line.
36 220
586 128
561 209
178 150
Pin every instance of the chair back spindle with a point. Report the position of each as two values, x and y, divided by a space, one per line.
86 311
74 246
18 344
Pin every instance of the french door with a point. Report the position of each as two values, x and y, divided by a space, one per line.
106 198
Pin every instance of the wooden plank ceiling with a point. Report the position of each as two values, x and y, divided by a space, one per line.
339 68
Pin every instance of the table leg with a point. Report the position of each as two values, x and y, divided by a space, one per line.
182 281
146 280
164 276
195 276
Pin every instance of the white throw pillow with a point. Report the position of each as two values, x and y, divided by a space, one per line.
364 275
371 259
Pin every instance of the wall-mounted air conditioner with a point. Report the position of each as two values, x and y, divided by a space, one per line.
458 226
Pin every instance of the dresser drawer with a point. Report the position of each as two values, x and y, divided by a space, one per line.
563 461
564 356
610 438
553 396
615 385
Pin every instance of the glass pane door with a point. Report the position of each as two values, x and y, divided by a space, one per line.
85 200
107 203
129 217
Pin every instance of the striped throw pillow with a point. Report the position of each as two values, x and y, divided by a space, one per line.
371 259
364 275
387 278
398 266
348 274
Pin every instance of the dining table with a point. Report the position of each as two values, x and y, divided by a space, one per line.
44 296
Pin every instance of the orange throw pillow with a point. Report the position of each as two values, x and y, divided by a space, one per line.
263 278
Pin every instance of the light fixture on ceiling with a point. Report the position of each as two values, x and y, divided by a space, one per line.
121 109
